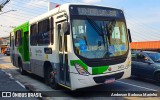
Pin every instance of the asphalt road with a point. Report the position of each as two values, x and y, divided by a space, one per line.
35 83
9 84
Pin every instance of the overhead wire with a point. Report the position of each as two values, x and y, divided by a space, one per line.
141 30
140 24
32 5
21 8
7 26
26 9
141 34
15 17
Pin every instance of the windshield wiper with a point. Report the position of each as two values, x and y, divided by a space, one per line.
95 26
99 31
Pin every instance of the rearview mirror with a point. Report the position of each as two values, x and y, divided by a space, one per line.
129 34
65 28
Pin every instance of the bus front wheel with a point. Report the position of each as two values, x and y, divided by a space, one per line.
50 78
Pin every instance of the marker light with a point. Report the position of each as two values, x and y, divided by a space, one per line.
57 6
81 70
109 69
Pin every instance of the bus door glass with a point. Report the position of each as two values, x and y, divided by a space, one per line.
12 48
63 56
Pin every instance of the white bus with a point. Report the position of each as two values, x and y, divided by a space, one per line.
74 46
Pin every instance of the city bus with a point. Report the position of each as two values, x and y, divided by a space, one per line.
74 46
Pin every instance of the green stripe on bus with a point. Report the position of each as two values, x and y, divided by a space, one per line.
23 49
99 69
72 62
95 70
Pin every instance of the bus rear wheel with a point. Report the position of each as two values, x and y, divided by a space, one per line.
20 65
50 78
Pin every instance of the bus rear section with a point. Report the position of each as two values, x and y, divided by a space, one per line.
19 46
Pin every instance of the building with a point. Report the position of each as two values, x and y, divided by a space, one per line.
147 45
4 43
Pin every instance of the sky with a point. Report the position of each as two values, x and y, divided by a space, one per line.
142 16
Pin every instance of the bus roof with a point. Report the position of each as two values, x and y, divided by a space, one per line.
22 26
60 8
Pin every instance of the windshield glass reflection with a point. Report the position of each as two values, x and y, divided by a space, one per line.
98 38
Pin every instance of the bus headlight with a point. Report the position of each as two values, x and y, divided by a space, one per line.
81 70
128 64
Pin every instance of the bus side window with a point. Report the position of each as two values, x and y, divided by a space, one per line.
26 39
33 38
51 22
43 32
18 39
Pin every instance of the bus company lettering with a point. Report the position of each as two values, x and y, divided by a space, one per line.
38 51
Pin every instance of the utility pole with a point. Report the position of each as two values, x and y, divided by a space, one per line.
4 2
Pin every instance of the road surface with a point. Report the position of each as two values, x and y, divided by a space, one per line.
35 83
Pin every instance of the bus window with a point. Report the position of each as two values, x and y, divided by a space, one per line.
60 37
18 39
43 32
33 38
51 22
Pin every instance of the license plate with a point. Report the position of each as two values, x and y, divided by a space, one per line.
109 81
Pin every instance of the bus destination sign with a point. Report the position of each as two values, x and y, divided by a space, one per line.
95 11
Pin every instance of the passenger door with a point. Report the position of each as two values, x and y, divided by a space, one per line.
63 56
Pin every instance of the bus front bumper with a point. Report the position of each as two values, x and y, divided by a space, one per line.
80 81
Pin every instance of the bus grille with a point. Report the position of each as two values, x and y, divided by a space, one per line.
101 79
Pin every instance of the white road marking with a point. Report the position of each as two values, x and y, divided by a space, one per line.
137 86
20 84
11 77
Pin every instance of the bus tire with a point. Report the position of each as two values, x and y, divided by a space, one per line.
54 83
157 77
20 65
50 78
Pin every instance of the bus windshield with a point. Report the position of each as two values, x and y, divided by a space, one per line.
94 38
